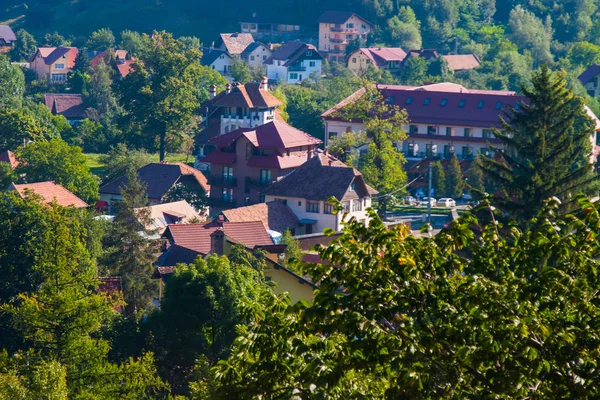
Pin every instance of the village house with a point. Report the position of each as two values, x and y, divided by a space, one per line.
337 29
177 212
217 59
158 178
590 79
261 28
53 63
117 59
7 38
69 106
454 62
256 54
294 62
388 58
49 192
276 216
247 160
234 43
187 242
445 118
238 106
307 189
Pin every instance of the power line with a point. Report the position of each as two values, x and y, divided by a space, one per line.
402 188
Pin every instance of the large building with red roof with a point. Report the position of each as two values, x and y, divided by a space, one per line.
48 192
247 160
444 118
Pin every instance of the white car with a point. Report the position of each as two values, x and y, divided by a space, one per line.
447 202
426 200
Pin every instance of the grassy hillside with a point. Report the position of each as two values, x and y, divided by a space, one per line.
202 18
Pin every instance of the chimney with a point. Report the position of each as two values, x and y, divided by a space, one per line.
228 88
217 241
264 84
213 91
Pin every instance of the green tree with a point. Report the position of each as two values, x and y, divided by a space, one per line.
7 175
102 39
190 42
382 163
196 198
546 148
63 316
404 33
454 178
132 41
82 62
293 252
438 178
24 47
240 71
57 161
12 83
530 33
120 159
55 40
414 71
584 54
345 147
474 176
101 94
18 127
130 253
201 310
208 77
160 93
459 315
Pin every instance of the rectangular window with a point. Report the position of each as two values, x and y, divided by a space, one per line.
228 194
59 77
448 151
227 172
430 150
59 66
346 206
353 60
349 26
413 129
264 58
244 26
293 75
364 26
251 58
328 208
312 63
356 205
332 135
487 133
431 130
449 131
467 153
265 176
312 206
467 132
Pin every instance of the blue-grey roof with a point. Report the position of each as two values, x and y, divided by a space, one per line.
7 34
210 55
589 73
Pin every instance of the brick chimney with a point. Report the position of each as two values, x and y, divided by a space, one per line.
264 85
228 88
213 91
217 241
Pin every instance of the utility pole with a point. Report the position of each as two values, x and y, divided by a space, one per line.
429 197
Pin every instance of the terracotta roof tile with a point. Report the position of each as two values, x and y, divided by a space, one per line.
273 135
50 191
381 55
275 215
462 62
69 106
248 95
52 54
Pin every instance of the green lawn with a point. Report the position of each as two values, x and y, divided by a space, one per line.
99 169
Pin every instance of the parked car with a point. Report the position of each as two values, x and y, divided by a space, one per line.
446 202
467 196
426 200
410 201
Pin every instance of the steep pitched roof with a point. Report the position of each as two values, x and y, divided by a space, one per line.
69 106
320 178
158 178
275 215
291 51
124 67
9 158
49 191
253 46
248 95
338 17
381 55
462 62
170 213
272 135
447 104
7 34
197 237
210 55
589 73
52 54
236 43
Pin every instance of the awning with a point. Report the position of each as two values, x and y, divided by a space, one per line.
305 221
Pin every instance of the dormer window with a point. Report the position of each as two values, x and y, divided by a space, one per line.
444 102
309 53
498 105
481 103
427 101
461 104
409 100
517 106
390 100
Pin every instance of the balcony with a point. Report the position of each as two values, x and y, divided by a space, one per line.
336 29
223 181
296 68
257 183
337 40
222 203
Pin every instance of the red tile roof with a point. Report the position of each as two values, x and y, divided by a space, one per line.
275 215
462 62
125 67
273 135
51 54
381 55
50 191
69 106
9 157
276 161
447 104
248 95
197 237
